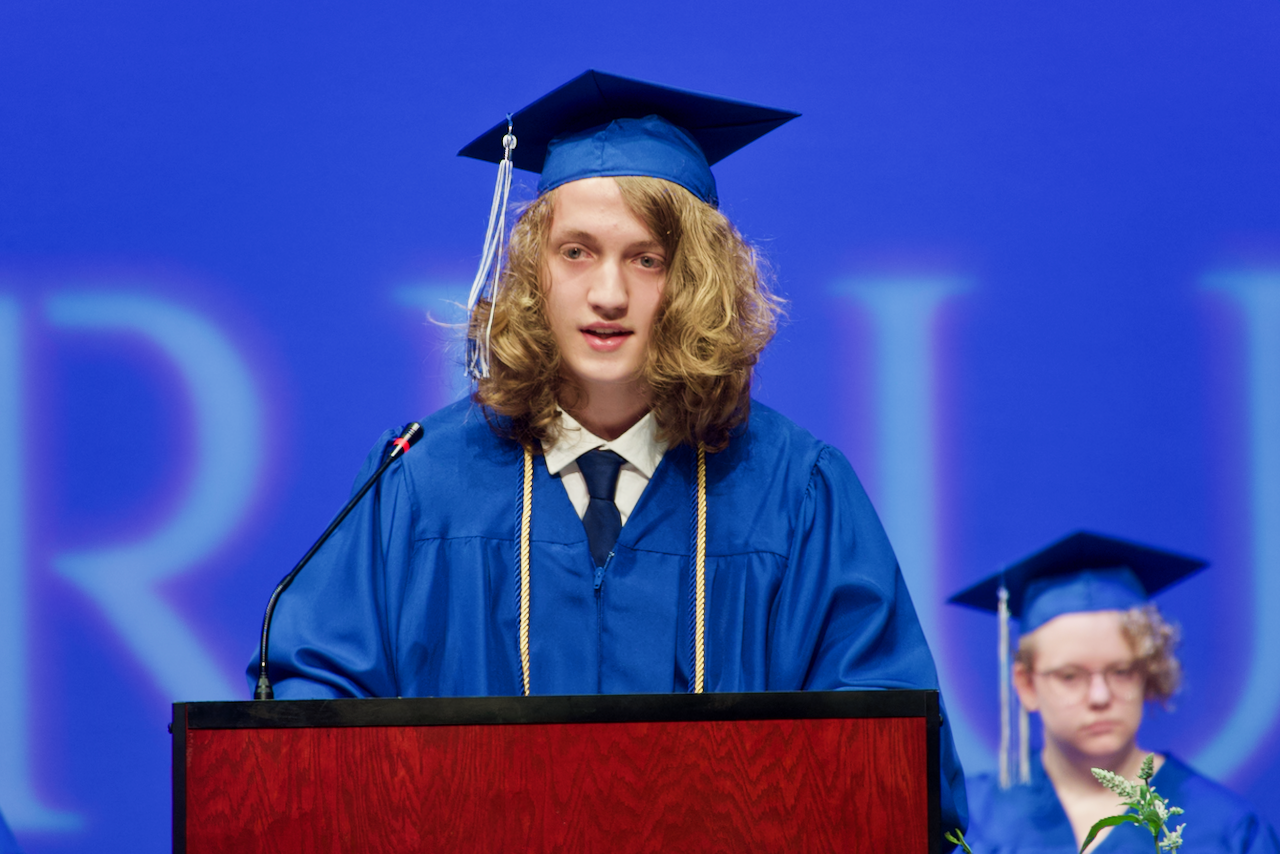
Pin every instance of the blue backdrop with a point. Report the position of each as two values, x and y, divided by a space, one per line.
1032 253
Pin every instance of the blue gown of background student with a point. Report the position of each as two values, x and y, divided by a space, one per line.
1029 819
8 845
417 593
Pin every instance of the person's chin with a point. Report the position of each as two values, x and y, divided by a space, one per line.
606 379
606 371
1102 739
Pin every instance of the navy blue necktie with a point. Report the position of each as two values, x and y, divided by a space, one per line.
602 519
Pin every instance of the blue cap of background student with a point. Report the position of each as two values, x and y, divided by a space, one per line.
602 125
1081 572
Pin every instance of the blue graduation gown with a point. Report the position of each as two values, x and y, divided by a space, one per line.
417 593
1029 819
8 845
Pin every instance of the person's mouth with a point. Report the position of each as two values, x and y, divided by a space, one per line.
1099 727
606 337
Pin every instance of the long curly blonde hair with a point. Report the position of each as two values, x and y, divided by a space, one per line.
716 315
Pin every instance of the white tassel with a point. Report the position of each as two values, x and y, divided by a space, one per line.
489 276
1002 614
1024 745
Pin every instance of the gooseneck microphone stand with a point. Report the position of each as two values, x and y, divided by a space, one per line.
399 447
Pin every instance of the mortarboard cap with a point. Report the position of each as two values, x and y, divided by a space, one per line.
1081 572
600 125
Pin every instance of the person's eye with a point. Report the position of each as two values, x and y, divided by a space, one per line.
1069 677
651 262
1129 671
573 253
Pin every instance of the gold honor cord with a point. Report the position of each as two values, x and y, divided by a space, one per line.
526 515
700 568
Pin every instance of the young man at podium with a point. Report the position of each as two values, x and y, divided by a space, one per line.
611 512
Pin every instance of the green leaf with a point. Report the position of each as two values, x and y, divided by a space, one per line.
1110 821
956 837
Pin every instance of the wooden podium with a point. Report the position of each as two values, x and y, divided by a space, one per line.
840 771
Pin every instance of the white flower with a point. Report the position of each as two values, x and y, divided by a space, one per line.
1172 839
1122 787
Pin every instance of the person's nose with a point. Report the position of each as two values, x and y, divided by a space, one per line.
1099 690
608 294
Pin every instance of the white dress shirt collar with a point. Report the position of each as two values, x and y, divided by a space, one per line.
638 446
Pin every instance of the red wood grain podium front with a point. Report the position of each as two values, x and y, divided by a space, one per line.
816 771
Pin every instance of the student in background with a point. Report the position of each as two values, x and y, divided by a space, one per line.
1092 651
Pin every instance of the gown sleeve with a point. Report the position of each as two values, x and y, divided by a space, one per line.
1255 836
844 618
330 637
1244 831
8 845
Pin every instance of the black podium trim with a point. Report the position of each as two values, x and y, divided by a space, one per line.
592 708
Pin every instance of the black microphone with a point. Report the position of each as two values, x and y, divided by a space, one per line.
399 447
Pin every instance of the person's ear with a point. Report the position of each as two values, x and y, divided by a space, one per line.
1026 687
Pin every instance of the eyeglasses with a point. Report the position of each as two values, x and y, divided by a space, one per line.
1072 683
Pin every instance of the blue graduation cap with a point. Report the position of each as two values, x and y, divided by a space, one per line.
602 125
1081 572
